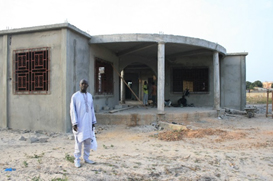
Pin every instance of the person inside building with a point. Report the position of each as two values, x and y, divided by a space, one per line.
145 93
154 91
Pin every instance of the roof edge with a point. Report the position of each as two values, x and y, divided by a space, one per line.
44 28
166 38
237 54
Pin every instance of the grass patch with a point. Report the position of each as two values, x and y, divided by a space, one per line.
35 178
69 158
60 179
258 100
35 155
25 163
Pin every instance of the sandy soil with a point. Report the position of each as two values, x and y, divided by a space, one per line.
233 148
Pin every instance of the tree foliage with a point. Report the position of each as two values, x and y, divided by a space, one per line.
257 83
251 85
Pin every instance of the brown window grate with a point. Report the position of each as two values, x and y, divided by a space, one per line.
194 79
103 77
31 67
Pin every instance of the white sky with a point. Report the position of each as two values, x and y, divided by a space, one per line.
237 25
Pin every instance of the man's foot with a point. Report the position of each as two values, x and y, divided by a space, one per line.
89 161
77 164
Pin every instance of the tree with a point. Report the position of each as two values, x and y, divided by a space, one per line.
248 84
257 83
272 85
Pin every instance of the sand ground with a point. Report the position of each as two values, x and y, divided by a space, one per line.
232 148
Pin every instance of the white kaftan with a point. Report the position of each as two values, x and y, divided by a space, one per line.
82 115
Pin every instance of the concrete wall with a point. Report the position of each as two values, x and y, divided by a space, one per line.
102 101
37 112
198 99
127 60
233 81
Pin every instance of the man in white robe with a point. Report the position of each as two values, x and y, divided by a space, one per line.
83 120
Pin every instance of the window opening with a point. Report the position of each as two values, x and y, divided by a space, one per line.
103 77
194 79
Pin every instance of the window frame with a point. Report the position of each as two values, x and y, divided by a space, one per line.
32 71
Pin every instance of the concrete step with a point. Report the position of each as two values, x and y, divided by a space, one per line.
133 119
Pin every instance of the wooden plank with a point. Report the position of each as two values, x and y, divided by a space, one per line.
122 109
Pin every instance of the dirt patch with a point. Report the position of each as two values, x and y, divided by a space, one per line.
201 133
268 133
214 149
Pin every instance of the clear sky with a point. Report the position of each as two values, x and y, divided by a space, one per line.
237 25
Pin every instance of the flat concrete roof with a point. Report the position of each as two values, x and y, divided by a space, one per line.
137 44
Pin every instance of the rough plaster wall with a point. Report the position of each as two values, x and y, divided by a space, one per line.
233 82
127 60
38 112
104 100
200 99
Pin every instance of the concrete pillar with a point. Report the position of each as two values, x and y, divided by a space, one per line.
4 83
243 82
65 77
122 88
216 80
160 77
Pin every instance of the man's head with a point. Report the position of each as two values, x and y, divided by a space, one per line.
83 85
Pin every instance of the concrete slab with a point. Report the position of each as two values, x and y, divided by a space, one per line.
141 115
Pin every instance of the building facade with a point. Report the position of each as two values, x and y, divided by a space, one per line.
41 68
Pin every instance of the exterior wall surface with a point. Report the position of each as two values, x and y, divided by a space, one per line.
233 82
102 101
127 60
37 112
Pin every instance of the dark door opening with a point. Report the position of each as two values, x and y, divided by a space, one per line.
128 93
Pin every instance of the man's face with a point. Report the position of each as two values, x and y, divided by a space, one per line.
83 85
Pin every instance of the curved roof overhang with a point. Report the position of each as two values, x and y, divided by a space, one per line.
146 45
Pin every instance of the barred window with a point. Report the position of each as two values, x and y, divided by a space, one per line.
194 79
31 70
103 77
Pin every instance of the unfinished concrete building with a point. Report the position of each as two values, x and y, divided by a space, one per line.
41 68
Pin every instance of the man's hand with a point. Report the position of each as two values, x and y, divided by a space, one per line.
93 126
75 128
